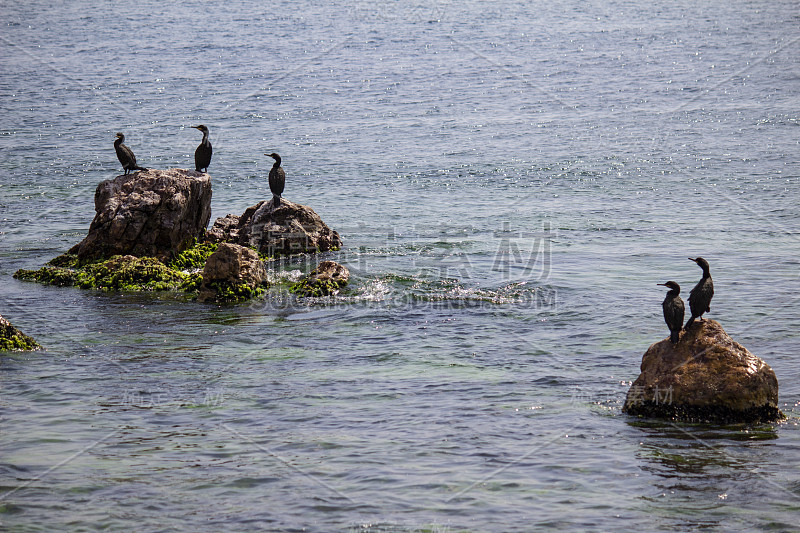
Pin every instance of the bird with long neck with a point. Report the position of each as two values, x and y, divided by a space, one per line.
202 156
277 179
700 297
673 310
125 155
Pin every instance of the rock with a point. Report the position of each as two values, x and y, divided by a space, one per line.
328 278
130 273
120 273
706 376
225 229
287 229
12 339
232 273
154 213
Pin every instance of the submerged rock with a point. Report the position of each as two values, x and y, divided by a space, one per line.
120 273
12 339
328 278
287 229
153 213
706 376
232 273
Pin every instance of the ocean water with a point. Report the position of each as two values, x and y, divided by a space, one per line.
510 179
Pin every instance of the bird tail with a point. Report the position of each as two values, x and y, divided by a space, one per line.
675 336
277 199
137 167
689 323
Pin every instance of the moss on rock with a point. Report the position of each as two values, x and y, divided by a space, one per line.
64 260
192 282
228 292
129 273
328 278
318 288
61 277
120 273
194 258
12 339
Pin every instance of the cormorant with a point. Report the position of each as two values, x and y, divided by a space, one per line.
202 156
700 297
277 179
125 155
673 310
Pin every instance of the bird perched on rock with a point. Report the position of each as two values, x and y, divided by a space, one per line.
125 155
673 310
277 179
700 297
202 156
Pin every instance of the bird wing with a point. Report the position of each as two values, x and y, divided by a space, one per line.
674 311
125 156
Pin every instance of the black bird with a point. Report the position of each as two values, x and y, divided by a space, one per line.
673 310
700 297
277 179
125 155
202 156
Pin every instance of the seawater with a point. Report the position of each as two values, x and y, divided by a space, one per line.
510 179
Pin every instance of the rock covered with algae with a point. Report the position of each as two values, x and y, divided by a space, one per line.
232 273
327 279
12 339
706 376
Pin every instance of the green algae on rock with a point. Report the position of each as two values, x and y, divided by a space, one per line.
12 339
233 273
229 292
129 273
328 278
120 273
194 258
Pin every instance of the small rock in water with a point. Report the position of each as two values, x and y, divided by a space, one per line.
328 278
232 273
12 339
706 376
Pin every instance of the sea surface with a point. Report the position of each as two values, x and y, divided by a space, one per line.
510 179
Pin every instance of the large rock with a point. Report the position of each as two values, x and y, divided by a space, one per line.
232 273
154 213
328 278
705 376
287 229
12 339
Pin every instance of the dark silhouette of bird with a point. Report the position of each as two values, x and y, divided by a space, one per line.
673 310
125 155
700 297
202 156
277 179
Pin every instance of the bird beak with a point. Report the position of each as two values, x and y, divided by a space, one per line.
196 127
695 260
662 284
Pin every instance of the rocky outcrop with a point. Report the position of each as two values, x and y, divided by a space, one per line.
153 213
287 229
328 278
706 376
12 339
232 273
